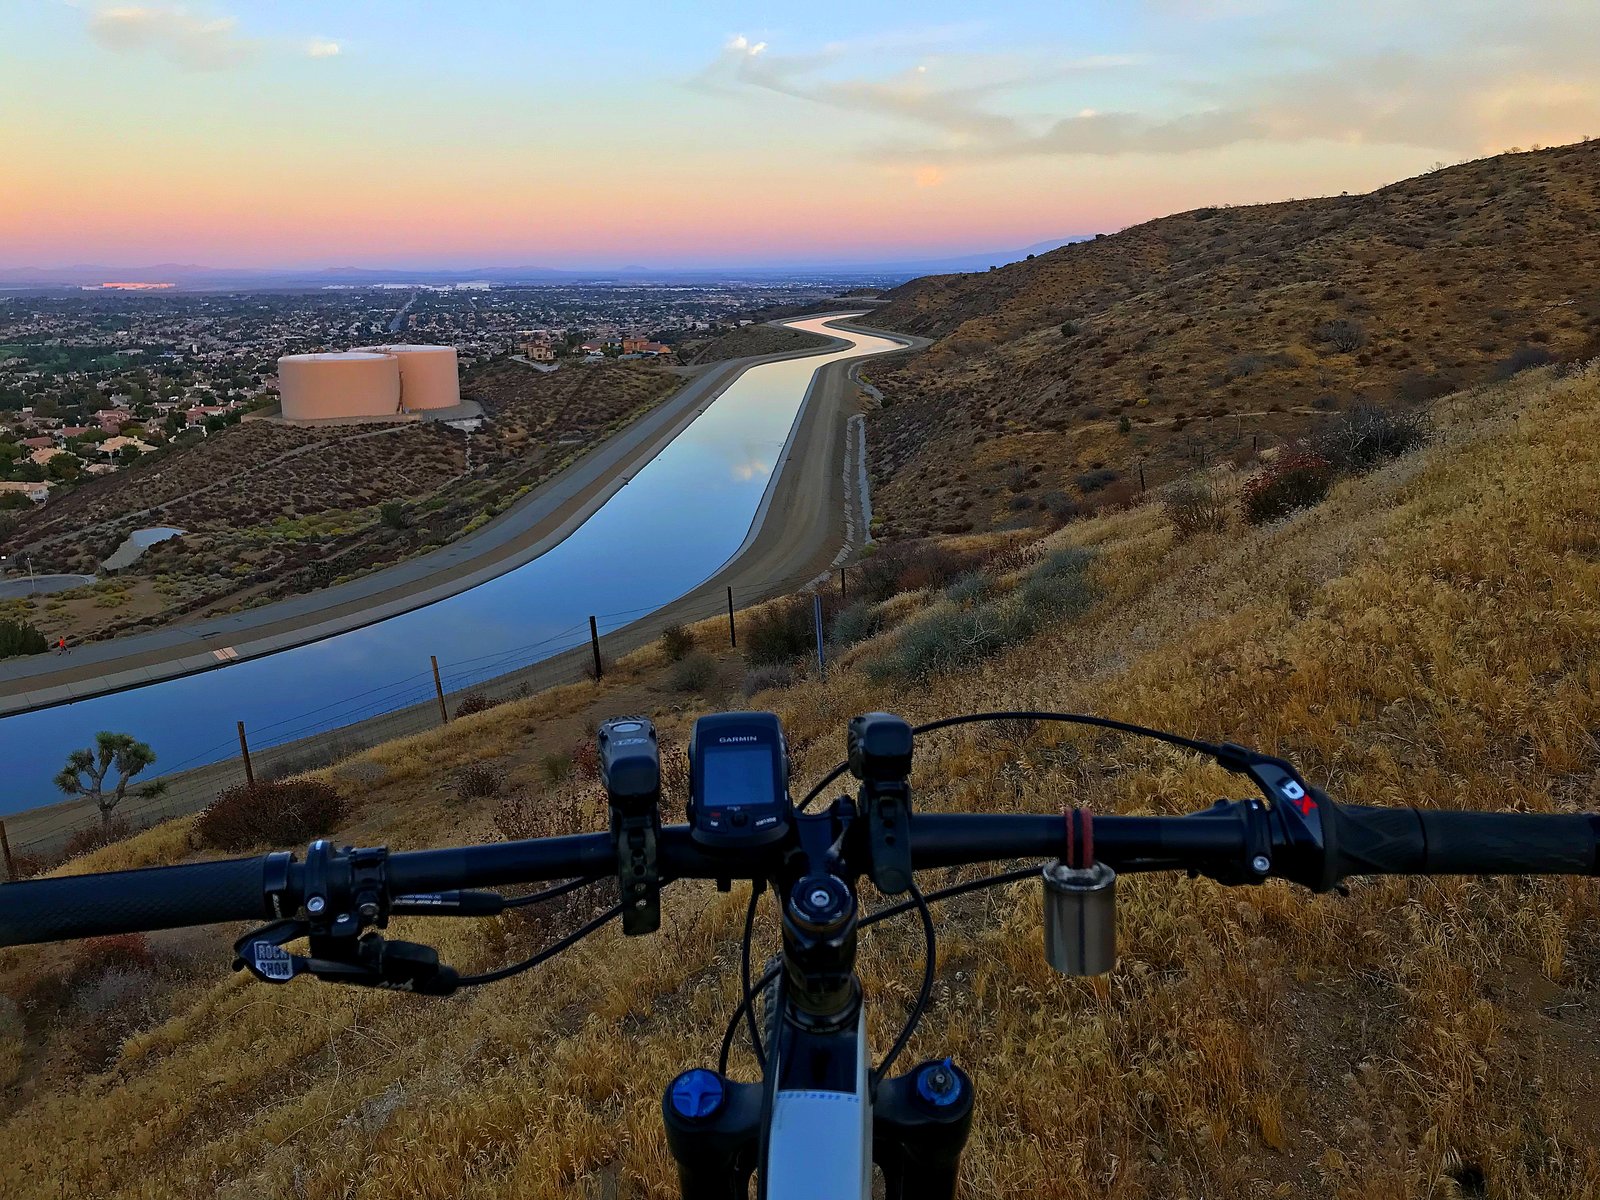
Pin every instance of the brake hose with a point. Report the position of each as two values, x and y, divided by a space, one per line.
1160 735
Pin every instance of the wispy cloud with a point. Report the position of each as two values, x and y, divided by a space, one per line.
194 40
1475 85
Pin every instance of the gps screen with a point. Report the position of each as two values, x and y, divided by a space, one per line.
735 775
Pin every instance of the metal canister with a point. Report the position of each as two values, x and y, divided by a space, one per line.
1080 918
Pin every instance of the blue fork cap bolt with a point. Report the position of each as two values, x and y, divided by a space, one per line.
939 1084
697 1094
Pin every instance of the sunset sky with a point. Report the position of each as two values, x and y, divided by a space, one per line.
492 132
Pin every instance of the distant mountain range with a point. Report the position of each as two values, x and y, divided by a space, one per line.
195 277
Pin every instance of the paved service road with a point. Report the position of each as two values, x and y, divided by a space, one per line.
41 585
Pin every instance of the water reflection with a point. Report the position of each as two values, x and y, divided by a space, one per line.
678 520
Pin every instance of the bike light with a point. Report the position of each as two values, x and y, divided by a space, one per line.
1080 918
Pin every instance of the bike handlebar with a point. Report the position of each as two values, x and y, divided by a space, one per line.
1358 841
1417 841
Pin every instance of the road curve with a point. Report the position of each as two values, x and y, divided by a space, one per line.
808 491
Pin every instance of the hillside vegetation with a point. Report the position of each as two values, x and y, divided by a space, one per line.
273 510
1189 338
755 339
1426 634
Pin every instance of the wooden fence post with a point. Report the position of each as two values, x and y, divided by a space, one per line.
5 845
244 751
594 643
733 634
844 590
438 690
1141 477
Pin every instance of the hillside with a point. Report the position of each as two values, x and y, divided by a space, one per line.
273 510
754 339
1427 634
1215 328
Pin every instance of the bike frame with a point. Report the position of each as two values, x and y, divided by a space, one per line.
815 1124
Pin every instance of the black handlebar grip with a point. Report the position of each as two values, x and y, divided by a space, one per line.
77 906
1414 841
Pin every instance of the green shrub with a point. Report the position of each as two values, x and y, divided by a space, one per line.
969 589
285 814
855 624
1522 359
19 637
1095 480
1058 588
760 679
557 766
694 673
1295 481
947 639
676 641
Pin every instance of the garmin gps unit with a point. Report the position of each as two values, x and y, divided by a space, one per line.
738 780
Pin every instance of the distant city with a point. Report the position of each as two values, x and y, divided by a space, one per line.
92 376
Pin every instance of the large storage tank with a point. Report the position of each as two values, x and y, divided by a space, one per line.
428 376
324 387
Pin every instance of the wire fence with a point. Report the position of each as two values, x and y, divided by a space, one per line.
319 737
328 733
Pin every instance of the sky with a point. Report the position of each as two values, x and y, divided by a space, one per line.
413 133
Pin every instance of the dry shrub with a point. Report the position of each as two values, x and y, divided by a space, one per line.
586 759
911 568
93 837
476 781
694 674
1292 481
43 996
284 813
557 767
676 641
1195 506
760 679
779 632
475 702
1365 437
516 818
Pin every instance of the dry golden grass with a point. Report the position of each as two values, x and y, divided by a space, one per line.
1429 633
1208 328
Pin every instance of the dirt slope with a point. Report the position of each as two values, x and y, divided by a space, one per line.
1427 634
1209 328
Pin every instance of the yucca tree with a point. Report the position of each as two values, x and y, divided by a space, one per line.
86 770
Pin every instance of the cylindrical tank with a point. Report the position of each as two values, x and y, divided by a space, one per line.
322 387
428 377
